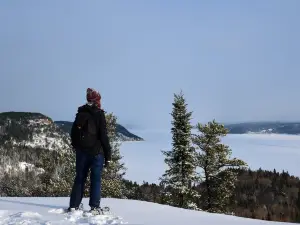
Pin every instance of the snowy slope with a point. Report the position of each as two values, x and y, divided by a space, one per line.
21 129
45 134
22 136
47 211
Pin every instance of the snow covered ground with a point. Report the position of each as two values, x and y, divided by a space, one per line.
268 151
48 211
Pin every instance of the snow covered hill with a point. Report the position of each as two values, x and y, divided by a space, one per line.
122 132
48 211
32 148
33 130
264 128
24 137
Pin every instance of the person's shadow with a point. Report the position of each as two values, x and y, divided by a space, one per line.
30 203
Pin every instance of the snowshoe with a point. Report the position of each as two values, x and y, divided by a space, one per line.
74 209
95 211
99 211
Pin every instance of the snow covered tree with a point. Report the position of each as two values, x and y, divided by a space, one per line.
218 169
181 174
57 180
68 172
112 177
112 183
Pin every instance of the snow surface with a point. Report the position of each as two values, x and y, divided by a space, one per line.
145 161
48 211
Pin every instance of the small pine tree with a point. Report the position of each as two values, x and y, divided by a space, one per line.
181 174
219 175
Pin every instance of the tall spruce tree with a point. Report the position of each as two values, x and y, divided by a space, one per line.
219 175
181 174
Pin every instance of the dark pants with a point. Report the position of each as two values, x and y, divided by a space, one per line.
84 162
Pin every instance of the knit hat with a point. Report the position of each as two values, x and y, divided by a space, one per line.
93 96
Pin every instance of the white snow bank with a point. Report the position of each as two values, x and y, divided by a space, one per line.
48 211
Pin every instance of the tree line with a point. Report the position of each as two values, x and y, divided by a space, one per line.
261 194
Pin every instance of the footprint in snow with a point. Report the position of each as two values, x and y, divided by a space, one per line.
24 218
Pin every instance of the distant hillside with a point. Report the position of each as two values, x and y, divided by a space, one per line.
36 154
25 129
265 128
28 138
123 133
32 145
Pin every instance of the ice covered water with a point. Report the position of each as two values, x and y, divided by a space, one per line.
145 161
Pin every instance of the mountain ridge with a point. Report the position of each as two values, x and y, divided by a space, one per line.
276 127
65 126
122 132
28 129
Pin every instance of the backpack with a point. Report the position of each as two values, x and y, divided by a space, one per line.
85 133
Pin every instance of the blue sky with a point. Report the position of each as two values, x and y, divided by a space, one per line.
234 60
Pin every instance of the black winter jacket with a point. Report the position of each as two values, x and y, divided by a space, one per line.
103 146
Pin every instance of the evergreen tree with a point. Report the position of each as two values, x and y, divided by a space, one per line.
181 174
112 184
57 180
112 177
298 204
219 175
68 172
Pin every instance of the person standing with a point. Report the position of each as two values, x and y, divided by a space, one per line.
90 141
